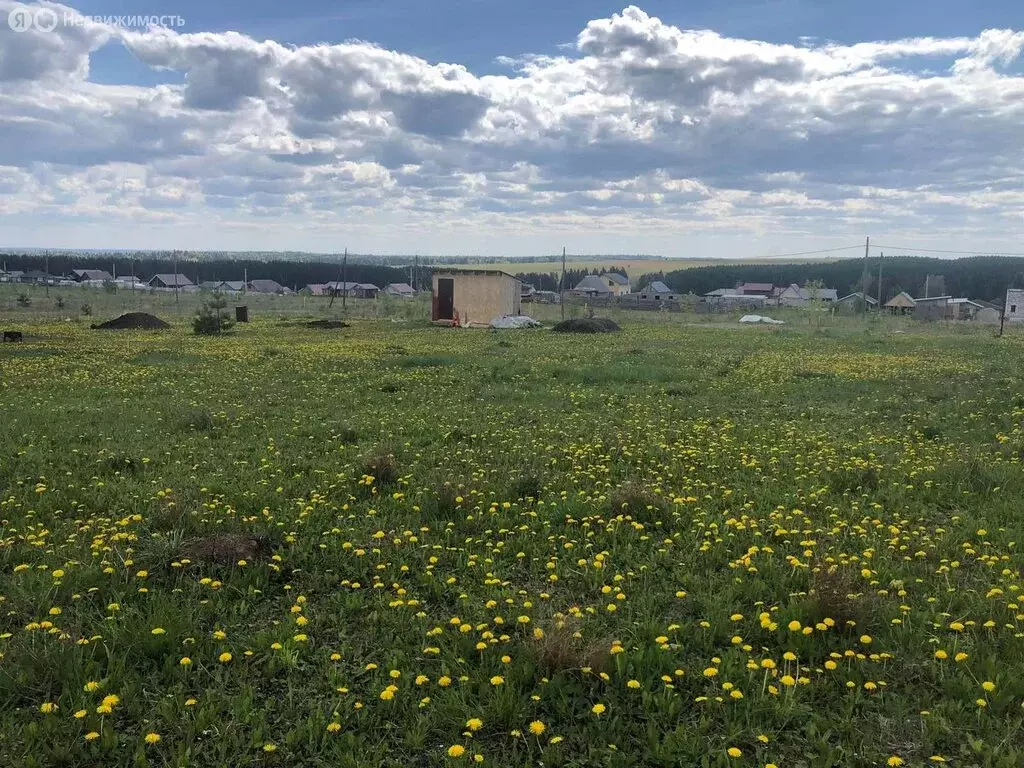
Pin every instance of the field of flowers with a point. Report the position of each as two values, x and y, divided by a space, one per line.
398 545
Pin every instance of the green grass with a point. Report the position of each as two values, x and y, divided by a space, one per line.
647 506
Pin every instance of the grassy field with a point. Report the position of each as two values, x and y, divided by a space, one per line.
393 544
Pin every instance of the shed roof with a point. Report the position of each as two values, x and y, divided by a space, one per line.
901 300
871 300
476 272
615 277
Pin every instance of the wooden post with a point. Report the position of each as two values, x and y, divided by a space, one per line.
344 280
561 292
46 269
864 280
175 277
880 257
1002 315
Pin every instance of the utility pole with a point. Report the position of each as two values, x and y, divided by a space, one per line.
927 279
1002 315
864 279
880 257
46 269
344 280
175 277
561 293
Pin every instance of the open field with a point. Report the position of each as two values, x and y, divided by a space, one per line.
393 544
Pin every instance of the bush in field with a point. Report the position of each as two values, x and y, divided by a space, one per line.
211 319
24 300
87 309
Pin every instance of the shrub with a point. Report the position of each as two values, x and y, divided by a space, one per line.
24 300
211 319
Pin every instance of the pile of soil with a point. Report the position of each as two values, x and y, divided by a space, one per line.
133 321
227 549
326 324
586 325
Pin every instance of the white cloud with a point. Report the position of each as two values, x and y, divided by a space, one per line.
644 131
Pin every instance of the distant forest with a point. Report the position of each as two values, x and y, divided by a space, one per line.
978 277
292 274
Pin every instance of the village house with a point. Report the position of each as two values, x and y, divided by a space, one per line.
92 275
354 290
795 296
267 286
657 291
474 296
855 299
171 281
401 290
754 289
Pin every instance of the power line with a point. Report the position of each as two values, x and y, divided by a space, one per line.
806 253
955 253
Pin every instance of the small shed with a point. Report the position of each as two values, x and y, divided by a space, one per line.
267 286
901 303
476 296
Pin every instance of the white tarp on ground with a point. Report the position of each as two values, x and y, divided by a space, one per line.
760 319
514 321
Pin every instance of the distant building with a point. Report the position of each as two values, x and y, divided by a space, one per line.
620 285
855 298
13 276
355 290
594 286
754 289
315 289
1014 310
474 296
267 286
38 276
657 291
795 296
402 290
901 304
170 281
92 275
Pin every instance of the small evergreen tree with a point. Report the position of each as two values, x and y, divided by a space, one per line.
24 300
211 319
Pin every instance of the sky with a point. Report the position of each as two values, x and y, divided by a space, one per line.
710 128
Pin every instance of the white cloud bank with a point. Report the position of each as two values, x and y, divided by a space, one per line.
645 138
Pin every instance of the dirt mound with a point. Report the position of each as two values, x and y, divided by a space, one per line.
227 549
131 321
326 324
586 325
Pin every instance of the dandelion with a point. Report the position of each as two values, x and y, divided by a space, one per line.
185 661
48 708
598 708
537 727
152 738
456 750
270 747
474 724
497 680
224 658
333 727
734 752
91 736
633 684
894 761
988 686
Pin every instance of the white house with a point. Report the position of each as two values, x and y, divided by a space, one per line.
1014 311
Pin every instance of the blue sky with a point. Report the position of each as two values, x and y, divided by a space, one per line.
696 128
